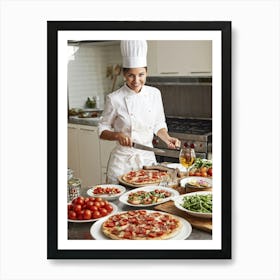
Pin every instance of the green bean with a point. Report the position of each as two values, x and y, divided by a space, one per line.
198 203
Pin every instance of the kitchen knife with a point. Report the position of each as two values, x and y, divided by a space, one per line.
146 148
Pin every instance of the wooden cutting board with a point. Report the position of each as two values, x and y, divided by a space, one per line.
196 222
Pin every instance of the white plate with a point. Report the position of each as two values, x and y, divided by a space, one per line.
124 197
184 233
115 210
177 165
184 181
179 200
106 196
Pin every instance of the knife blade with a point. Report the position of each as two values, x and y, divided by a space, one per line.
147 148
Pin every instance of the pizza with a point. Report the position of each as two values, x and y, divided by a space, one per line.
147 197
143 177
99 190
141 225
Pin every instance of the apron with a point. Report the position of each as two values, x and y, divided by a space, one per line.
124 159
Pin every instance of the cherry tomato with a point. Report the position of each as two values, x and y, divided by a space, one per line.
77 208
92 198
86 200
80 215
210 172
89 204
98 199
70 207
93 208
80 200
72 215
87 215
109 208
103 212
96 215
203 169
102 203
74 201
97 204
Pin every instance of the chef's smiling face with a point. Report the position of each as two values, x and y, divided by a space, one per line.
135 78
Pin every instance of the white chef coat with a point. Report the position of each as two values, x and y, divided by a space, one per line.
138 115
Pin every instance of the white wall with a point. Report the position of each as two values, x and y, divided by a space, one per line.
87 72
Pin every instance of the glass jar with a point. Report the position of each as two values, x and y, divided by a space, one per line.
70 173
74 188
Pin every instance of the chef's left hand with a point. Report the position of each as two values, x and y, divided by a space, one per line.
173 143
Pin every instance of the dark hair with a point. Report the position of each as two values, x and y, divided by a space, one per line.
126 69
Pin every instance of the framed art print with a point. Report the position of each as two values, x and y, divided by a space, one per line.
184 213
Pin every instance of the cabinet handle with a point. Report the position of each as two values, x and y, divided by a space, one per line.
91 130
169 72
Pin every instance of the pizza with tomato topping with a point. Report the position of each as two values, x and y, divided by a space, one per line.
143 177
147 197
141 225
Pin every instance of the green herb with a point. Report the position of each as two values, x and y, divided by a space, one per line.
202 163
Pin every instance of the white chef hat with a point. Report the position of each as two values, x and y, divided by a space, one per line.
134 53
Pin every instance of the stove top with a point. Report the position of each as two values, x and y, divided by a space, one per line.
189 126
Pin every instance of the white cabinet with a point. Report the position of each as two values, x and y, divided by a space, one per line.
179 58
89 156
84 153
73 149
105 149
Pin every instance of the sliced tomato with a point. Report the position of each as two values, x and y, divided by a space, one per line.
159 233
152 234
131 213
110 224
127 235
123 222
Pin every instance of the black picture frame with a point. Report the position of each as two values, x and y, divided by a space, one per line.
53 252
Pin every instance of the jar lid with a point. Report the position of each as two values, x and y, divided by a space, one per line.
74 182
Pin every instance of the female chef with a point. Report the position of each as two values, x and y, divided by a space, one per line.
133 113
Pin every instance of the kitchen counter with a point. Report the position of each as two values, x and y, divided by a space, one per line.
84 121
81 231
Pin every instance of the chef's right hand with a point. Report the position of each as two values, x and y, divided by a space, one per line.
123 139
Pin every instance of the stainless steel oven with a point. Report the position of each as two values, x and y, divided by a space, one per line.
188 131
